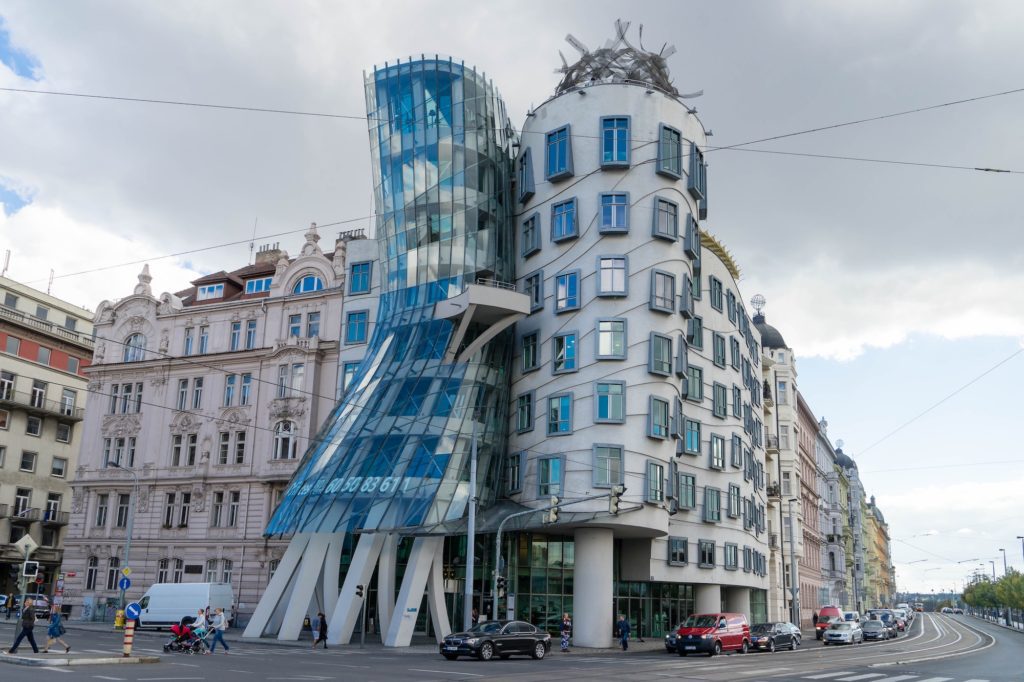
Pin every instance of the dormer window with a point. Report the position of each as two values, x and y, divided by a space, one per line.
307 284
257 286
210 291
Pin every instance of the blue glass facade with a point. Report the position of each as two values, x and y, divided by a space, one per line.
394 454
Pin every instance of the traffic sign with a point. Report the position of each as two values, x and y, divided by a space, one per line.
124 584
126 571
132 611
39 580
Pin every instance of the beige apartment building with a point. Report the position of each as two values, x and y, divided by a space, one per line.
203 403
45 347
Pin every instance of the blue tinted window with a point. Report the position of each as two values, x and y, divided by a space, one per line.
564 353
356 326
308 283
560 414
359 281
559 154
567 291
563 220
614 141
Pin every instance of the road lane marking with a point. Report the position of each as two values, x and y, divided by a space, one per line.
866 676
899 678
825 676
760 671
442 672
104 677
56 670
935 679
975 680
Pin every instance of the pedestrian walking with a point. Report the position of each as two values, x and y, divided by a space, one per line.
220 625
201 628
28 621
55 631
814 618
566 631
622 629
320 630
475 616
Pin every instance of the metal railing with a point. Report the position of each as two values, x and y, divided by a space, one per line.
35 402
58 518
497 284
26 515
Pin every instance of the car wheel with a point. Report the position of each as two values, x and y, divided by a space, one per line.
451 657
717 650
771 646
486 651
824 643
539 650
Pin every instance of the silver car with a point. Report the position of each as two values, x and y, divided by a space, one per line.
844 633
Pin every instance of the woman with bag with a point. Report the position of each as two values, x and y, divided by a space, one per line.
565 629
55 632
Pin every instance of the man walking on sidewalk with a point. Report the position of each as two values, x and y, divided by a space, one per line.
28 621
623 631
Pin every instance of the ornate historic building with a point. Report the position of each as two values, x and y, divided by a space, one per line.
206 398
45 346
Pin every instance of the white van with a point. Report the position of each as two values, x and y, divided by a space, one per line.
165 604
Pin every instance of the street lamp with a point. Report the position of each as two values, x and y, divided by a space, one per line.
793 589
1021 538
131 516
1004 560
993 569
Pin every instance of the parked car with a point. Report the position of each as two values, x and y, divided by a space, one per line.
40 604
826 616
671 638
772 636
501 638
844 633
946 609
874 629
713 633
958 611
901 624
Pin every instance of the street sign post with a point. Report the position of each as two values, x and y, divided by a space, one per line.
132 611
126 571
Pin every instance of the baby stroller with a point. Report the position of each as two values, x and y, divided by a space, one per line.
185 639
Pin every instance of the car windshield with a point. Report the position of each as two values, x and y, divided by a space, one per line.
488 628
701 622
873 625
840 626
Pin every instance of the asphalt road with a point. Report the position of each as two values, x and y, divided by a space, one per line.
938 648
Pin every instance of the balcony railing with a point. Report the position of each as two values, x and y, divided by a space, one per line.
497 284
45 326
56 518
26 515
36 404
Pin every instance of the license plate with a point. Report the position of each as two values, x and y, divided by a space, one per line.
451 648
690 648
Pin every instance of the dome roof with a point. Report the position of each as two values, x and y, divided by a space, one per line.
770 336
844 460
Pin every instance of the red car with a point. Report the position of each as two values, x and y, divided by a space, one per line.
713 633
825 617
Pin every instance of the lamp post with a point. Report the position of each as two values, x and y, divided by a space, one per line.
794 591
993 569
131 517
1004 560
1021 538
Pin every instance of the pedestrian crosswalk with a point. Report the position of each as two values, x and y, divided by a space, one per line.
852 676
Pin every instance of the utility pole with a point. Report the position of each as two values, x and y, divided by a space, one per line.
1004 560
467 606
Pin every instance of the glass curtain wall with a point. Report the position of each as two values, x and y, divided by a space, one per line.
394 454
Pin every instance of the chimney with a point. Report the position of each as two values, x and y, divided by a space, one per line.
268 253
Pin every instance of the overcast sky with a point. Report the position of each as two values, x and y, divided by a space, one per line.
895 284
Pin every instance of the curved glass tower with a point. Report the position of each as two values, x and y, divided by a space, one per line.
394 454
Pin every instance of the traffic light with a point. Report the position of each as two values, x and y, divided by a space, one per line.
553 512
31 568
615 498
501 584
359 591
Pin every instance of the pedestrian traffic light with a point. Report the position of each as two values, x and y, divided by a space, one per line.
31 568
615 498
359 591
552 516
501 584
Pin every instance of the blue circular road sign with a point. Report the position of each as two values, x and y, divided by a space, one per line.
133 610
124 583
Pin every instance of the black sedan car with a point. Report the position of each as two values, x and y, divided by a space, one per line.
671 639
501 638
874 629
772 636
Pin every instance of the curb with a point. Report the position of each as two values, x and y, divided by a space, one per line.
51 662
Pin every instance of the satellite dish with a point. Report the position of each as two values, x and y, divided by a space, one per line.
758 302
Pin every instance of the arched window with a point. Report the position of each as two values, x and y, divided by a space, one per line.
90 573
135 348
113 572
308 283
284 440
162 570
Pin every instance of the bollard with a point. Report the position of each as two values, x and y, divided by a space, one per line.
129 636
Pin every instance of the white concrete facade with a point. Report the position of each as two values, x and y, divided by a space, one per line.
229 385
666 525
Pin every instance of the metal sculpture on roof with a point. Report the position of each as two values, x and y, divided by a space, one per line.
618 61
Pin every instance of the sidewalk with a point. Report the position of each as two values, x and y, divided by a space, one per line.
62 659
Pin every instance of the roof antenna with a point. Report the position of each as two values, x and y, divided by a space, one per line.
252 242
49 285
7 263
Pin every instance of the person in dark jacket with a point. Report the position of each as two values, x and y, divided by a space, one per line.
28 621
622 630
321 630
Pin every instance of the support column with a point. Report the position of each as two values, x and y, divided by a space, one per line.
424 552
593 589
306 582
708 599
386 581
737 600
332 568
435 598
276 593
346 612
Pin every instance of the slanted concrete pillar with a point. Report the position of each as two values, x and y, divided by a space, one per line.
737 600
708 599
593 590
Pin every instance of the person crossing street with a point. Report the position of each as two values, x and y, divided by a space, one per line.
28 621
220 624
